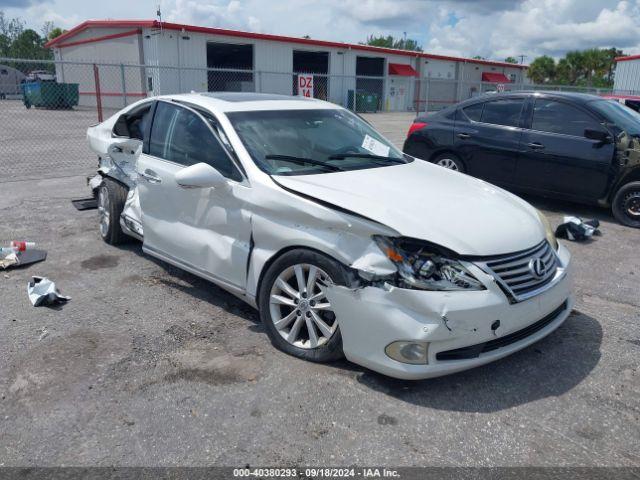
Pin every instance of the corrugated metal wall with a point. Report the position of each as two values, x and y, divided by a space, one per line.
627 76
176 62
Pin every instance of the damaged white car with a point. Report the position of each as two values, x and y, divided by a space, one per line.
344 244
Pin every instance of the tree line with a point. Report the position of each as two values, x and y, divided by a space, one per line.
593 67
17 41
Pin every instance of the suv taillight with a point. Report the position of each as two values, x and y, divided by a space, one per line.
415 126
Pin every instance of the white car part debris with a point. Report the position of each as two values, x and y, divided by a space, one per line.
576 229
43 291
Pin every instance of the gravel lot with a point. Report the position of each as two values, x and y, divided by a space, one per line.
148 365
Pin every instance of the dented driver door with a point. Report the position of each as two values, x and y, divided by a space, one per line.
202 230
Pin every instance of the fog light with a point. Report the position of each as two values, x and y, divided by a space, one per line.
408 352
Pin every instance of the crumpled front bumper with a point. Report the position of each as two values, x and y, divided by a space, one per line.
371 318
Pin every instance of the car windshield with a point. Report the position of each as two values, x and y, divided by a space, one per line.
302 142
623 117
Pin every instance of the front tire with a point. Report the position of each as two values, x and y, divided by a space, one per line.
449 161
111 198
626 205
294 310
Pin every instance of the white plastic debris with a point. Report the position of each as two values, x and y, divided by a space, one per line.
43 291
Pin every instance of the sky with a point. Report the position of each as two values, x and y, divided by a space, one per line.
494 29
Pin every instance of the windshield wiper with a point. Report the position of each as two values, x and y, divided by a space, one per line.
342 156
303 161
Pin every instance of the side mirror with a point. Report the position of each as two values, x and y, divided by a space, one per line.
200 175
598 135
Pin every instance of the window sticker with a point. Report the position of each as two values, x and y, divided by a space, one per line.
375 147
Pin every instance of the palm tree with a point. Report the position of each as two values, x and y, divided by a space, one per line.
542 69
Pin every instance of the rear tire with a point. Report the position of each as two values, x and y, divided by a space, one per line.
111 198
626 205
449 161
305 326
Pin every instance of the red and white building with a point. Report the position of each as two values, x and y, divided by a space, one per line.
182 58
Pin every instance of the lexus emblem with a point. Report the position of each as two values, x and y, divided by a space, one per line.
537 268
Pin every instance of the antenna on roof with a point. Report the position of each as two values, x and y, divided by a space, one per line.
159 15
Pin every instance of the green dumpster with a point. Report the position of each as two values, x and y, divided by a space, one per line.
366 102
50 94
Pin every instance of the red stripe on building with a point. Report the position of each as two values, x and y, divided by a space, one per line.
264 36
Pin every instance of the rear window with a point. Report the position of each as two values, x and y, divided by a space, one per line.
503 112
474 112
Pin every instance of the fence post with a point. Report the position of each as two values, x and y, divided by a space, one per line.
96 79
426 95
124 86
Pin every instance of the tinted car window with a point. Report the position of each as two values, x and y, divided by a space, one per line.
474 112
180 136
503 112
559 117
622 116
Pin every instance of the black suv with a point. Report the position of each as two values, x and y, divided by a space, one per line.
567 145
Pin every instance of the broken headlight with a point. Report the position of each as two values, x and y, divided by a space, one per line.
420 267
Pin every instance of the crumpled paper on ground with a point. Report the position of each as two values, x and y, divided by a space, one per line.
43 291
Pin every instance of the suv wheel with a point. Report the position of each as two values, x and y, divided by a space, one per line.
626 205
294 309
450 161
111 198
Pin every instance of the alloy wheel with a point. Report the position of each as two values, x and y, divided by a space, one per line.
448 163
103 210
299 308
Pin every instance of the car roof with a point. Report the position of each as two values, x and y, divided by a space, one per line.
573 96
248 101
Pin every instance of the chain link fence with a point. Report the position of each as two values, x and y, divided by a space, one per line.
46 106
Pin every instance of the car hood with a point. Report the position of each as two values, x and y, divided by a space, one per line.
425 201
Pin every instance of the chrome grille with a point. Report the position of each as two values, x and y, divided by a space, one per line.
524 274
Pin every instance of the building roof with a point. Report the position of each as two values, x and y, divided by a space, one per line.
60 41
627 58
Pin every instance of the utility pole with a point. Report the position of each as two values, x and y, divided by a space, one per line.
522 57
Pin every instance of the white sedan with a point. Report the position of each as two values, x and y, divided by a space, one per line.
344 244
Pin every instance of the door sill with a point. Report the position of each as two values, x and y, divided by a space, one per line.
229 287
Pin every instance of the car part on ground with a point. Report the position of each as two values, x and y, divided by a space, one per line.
20 254
82 204
576 229
43 292
305 212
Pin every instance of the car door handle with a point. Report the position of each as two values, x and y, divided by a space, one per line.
535 146
150 176
463 136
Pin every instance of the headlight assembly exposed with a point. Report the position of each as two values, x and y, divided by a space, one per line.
419 267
